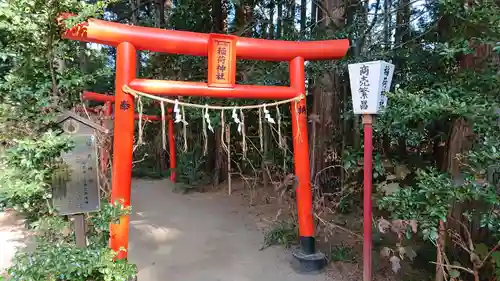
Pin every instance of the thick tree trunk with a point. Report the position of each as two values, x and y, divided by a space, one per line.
272 33
279 29
244 17
303 15
264 167
387 23
217 16
160 13
326 111
134 6
314 12
290 17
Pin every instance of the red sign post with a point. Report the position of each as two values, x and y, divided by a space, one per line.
369 81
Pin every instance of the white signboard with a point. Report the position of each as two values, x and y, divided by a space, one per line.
369 80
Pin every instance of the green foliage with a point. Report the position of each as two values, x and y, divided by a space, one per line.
26 169
56 258
353 162
58 262
341 253
428 201
24 185
191 15
41 74
190 168
281 233
98 223
42 71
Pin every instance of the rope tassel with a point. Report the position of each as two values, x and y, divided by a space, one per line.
140 108
296 108
184 129
278 116
243 134
163 134
261 136
205 135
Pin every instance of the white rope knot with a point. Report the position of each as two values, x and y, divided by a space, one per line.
207 118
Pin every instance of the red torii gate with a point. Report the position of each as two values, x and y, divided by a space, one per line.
222 51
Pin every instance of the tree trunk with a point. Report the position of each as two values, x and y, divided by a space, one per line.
265 140
279 30
326 113
217 16
387 23
403 14
244 17
290 17
303 15
314 12
134 6
160 13
272 33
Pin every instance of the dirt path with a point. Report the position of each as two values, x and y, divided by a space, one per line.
13 236
200 236
184 237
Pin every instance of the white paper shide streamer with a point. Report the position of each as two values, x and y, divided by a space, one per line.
207 119
267 115
177 111
237 120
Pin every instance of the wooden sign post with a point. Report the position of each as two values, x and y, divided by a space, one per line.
369 81
75 185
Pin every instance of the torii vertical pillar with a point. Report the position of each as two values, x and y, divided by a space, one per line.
123 144
310 259
171 145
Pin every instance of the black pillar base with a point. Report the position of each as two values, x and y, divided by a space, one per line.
306 259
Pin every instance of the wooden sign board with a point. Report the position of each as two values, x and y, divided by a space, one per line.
75 185
221 61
